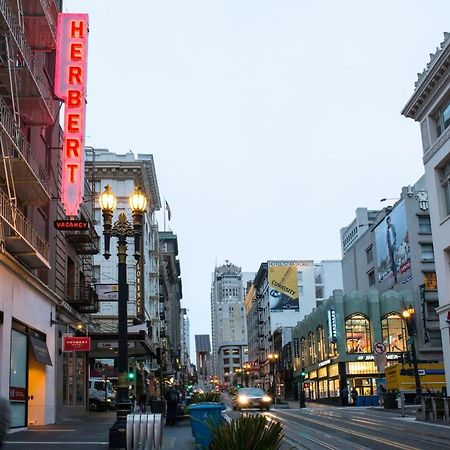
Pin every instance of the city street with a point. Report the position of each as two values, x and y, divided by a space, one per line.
357 428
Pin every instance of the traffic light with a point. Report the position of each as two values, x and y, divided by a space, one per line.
130 375
303 373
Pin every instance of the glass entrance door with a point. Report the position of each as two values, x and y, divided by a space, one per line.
18 379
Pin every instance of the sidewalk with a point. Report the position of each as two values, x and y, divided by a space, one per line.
89 432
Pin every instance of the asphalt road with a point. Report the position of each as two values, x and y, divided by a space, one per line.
357 428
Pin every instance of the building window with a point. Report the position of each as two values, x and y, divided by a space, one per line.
319 292
311 349
393 332
369 255
427 252
424 224
430 281
357 334
303 352
320 343
445 183
371 277
299 277
443 119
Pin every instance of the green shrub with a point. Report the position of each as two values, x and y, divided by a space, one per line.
206 397
252 432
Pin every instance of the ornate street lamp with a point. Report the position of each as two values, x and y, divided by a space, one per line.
408 316
122 229
273 359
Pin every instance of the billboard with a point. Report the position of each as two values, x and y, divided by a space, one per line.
283 286
393 248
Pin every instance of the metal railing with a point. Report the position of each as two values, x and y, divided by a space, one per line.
27 57
21 149
436 409
22 227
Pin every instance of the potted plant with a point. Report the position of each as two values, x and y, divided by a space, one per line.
253 432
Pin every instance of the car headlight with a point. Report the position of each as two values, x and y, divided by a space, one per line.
108 399
266 398
243 399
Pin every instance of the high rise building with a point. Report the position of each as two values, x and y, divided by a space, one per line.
229 331
429 105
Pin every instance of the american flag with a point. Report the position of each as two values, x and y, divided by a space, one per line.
169 212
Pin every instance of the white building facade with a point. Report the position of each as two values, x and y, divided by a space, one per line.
430 106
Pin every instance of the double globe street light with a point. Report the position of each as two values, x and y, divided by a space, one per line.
122 229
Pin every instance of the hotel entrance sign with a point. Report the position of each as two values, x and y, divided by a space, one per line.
70 87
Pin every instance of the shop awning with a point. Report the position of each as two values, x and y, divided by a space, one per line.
40 350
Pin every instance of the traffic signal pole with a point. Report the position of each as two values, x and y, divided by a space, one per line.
302 389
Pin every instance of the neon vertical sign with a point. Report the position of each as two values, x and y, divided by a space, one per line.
70 86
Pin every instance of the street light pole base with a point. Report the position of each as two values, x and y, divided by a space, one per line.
118 435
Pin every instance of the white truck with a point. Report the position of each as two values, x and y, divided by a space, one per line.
101 398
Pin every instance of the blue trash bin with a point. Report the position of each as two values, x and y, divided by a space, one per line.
360 400
203 416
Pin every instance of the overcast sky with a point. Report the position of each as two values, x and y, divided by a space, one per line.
270 122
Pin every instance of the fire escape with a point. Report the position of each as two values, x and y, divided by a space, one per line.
27 32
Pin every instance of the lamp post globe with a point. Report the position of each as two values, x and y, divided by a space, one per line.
138 201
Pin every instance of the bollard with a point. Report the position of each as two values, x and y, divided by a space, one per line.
433 407
402 403
144 431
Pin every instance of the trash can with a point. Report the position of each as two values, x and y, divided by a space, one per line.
203 417
390 400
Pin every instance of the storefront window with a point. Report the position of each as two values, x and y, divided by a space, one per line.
357 331
393 332
320 343
18 379
333 387
311 349
359 368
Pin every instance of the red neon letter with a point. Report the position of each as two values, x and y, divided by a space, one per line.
75 74
73 123
76 53
72 145
76 29
73 98
72 168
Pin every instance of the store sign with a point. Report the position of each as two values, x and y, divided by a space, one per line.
140 289
325 362
114 344
76 344
107 292
70 87
17 393
66 225
389 357
332 331
296 348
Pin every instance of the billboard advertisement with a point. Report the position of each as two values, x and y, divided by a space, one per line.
393 249
283 287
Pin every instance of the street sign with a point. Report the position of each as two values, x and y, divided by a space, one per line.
76 344
379 348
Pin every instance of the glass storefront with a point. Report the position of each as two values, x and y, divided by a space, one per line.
393 332
357 334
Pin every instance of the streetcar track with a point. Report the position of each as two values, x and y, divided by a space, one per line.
355 433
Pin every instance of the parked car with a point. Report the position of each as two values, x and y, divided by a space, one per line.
251 398
101 398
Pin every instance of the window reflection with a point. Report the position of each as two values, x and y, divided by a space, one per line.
357 332
393 332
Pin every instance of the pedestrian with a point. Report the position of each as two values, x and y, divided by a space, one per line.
172 398
4 419
354 395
